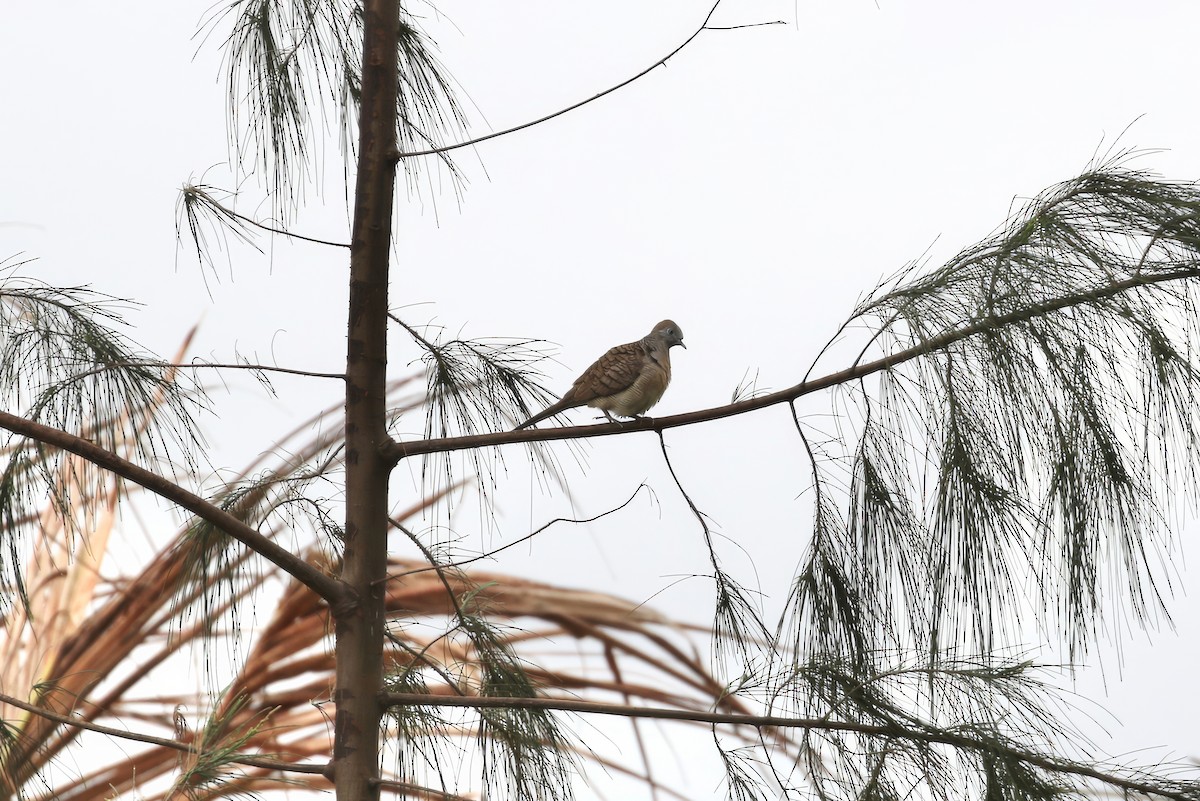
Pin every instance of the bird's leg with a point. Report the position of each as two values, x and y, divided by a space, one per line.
633 418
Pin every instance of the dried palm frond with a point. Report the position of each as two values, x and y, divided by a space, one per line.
99 634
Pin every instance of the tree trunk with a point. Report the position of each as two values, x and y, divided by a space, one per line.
359 625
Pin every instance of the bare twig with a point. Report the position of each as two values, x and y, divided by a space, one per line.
506 546
696 513
660 63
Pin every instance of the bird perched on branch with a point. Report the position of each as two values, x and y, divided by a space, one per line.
626 381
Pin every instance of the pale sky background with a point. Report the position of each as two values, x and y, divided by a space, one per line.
753 190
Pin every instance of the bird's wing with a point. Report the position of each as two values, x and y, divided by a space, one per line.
613 372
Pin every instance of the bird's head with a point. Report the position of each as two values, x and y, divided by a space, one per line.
670 333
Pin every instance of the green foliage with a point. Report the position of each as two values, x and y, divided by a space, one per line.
292 62
954 731
423 747
63 364
217 572
478 386
526 754
1035 404
211 770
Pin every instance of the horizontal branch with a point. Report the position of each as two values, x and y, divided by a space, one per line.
323 585
162 742
926 735
397 450
408 789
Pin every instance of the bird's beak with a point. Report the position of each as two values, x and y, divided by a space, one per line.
683 346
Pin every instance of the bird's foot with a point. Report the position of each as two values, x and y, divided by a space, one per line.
635 418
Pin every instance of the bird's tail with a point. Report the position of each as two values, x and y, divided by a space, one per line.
554 409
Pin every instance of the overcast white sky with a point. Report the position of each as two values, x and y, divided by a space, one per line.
752 190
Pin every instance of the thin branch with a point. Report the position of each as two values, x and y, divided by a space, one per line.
744 25
696 513
266 368
408 788
325 586
397 450
927 735
198 191
662 62
421 657
529 536
434 565
161 742
425 343
734 621
290 234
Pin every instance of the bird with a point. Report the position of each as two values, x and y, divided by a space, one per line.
627 380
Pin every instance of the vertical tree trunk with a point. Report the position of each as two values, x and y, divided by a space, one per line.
359 626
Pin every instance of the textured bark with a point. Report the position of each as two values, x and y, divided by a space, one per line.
359 624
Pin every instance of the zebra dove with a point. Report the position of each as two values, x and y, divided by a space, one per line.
626 381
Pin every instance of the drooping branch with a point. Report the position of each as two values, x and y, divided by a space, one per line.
325 586
735 623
